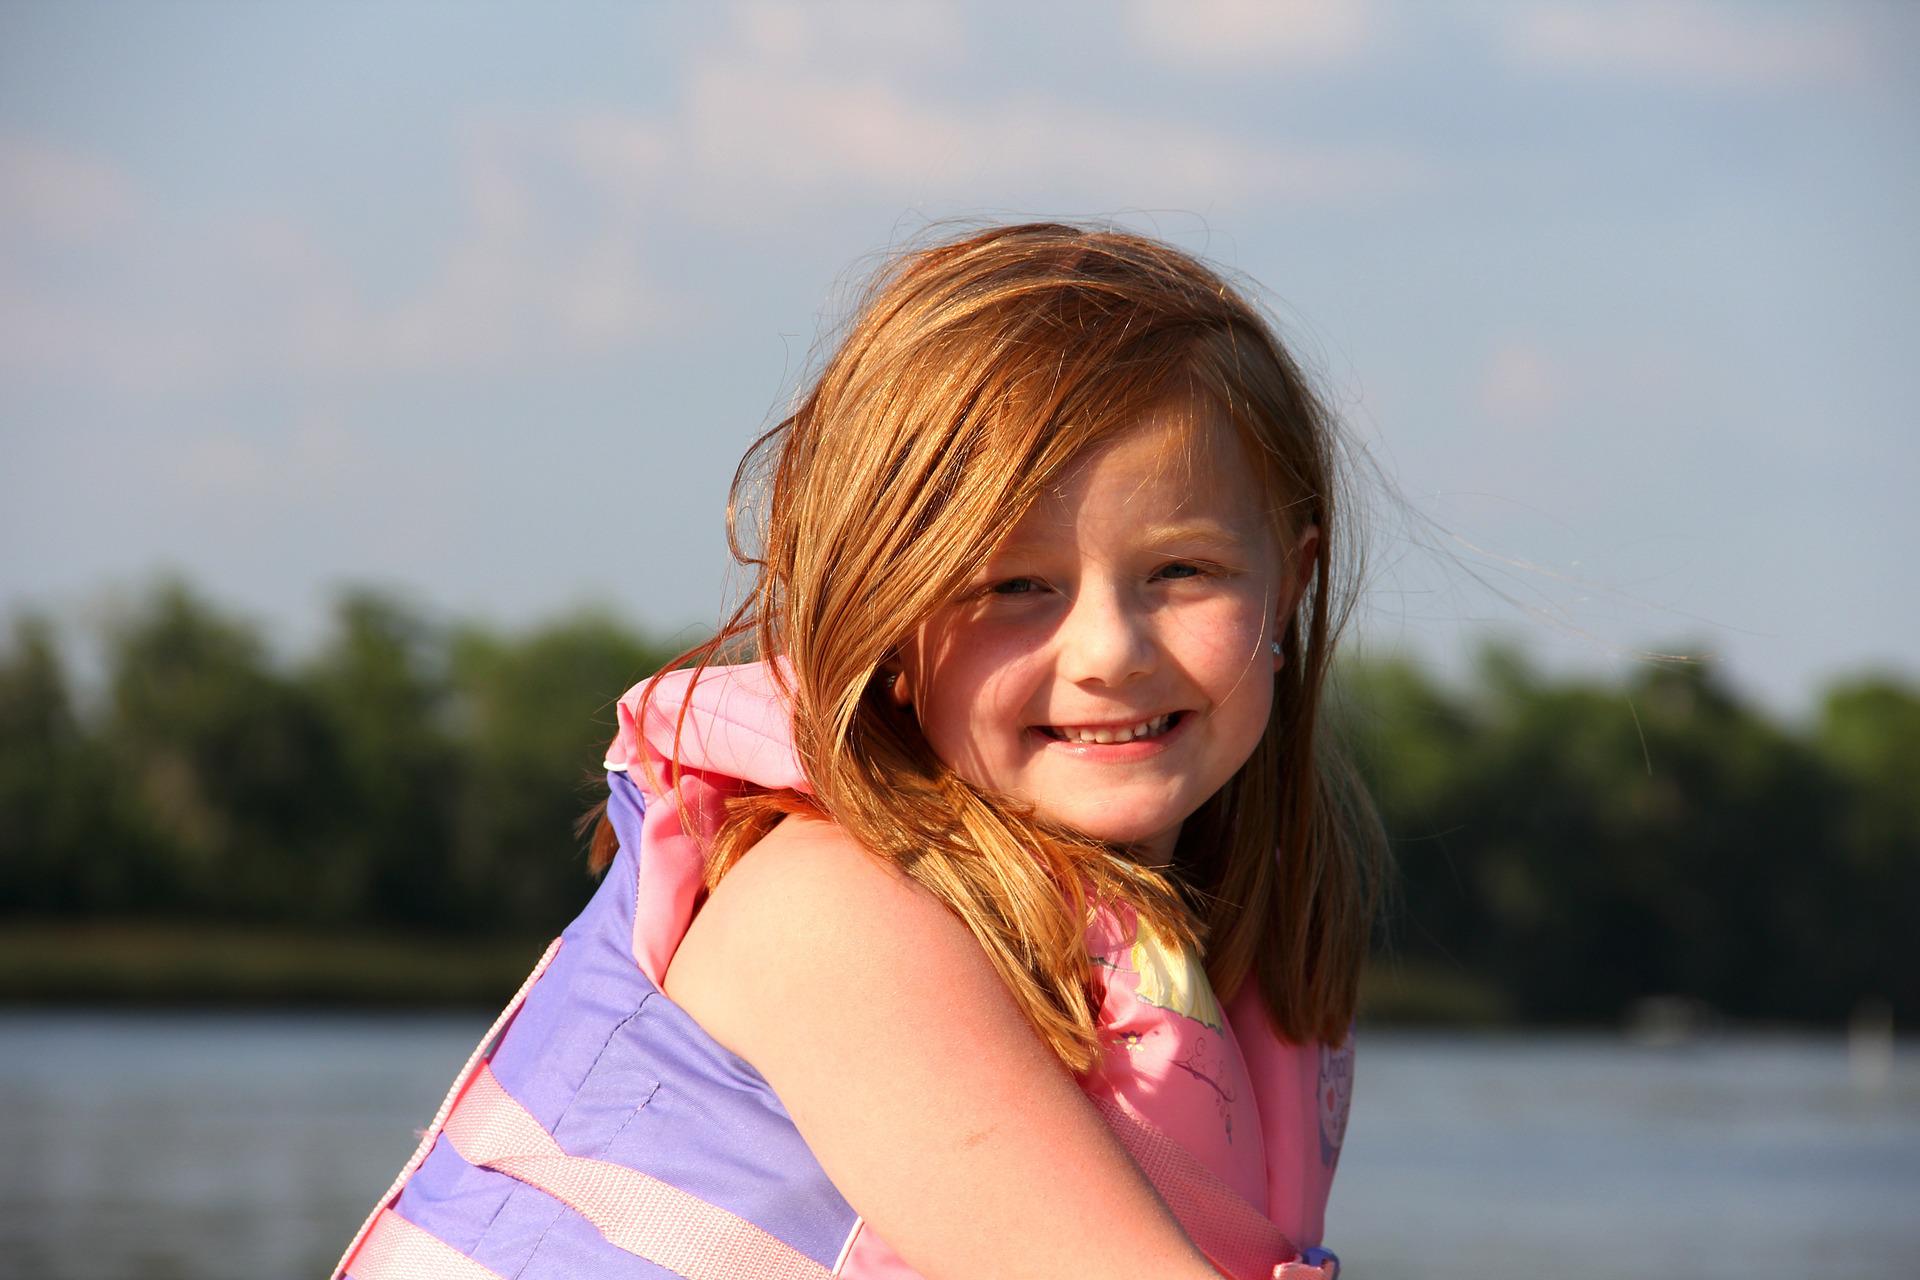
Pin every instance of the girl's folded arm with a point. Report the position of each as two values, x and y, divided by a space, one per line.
925 1094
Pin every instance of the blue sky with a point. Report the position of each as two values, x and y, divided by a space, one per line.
481 302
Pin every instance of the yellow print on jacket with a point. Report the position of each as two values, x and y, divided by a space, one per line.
1172 978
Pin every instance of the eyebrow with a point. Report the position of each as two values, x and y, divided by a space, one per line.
1211 532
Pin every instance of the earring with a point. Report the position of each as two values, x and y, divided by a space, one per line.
897 690
1277 650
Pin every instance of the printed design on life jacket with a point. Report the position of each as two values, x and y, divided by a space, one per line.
1142 967
1203 1066
1335 1097
1172 978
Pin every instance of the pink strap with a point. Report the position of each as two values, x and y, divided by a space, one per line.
1235 1236
480 1051
395 1249
637 1213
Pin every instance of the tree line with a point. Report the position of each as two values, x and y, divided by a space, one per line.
1569 845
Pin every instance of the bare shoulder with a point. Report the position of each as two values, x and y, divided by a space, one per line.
809 870
808 915
904 1062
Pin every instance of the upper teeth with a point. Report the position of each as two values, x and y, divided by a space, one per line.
1124 733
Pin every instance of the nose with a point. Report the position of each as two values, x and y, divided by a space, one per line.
1105 638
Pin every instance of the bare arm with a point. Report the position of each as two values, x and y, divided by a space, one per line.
908 1069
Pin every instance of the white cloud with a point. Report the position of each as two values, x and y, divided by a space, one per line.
300 463
160 305
825 100
1520 385
547 258
57 196
546 264
852 33
1253 33
751 131
1690 41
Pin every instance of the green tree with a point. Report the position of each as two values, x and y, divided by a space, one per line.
381 688
535 716
1869 735
1580 844
225 763
53 858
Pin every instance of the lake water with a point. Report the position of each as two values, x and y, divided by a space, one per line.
204 1147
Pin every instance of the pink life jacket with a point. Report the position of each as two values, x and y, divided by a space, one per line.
598 1130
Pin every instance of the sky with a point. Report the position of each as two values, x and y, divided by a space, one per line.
481 303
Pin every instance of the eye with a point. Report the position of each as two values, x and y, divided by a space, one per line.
1181 569
1015 587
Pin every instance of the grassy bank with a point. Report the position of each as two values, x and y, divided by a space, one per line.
1394 992
137 964
212 965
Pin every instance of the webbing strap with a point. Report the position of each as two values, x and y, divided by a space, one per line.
396 1249
419 1156
636 1213
1235 1236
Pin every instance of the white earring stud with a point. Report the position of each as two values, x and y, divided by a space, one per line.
1277 651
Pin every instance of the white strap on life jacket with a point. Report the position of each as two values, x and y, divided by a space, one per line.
395 1249
633 1211
480 1052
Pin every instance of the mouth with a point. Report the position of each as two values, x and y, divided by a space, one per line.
1104 734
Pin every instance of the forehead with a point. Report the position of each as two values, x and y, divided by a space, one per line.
1174 462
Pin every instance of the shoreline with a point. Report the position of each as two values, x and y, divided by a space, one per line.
200 966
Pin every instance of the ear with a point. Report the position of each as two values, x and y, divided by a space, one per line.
898 691
1296 575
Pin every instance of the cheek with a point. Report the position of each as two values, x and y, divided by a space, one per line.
1223 641
1225 654
974 687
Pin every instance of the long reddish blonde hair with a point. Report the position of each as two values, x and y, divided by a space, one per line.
974 374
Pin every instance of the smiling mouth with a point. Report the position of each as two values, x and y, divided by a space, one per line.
1110 733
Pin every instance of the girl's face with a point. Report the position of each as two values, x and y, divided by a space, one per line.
1112 664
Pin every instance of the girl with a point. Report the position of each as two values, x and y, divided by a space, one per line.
1005 917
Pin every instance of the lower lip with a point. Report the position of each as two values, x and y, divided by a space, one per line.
1116 752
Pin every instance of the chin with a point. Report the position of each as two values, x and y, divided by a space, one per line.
1103 826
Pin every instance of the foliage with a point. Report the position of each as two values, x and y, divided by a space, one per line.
1565 847
1579 846
407 776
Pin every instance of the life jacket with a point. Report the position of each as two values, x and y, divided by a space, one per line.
598 1130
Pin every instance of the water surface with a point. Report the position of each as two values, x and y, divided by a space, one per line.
203 1147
